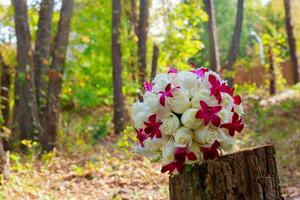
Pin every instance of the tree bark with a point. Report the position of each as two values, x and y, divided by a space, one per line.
134 20
135 29
42 53
51 120
272 75
246 175
235 43
4 91
213 39
142 39
291 40
25 123
119 107
154 61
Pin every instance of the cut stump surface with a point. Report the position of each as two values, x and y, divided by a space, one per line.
249 174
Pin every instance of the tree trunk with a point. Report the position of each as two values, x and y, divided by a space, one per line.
119 112
134 21
235 43
213 39
25 109
135 28
154 61
42 53
2 157
142 39
51 120
291 40
246 175
272 75
4 91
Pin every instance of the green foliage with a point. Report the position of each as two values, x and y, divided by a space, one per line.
81 130
246 88
101 130
88 74
275 44
126 141
32 148
296 87
182 39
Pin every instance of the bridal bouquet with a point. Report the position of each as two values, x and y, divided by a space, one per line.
186 117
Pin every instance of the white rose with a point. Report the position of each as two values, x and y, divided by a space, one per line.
180 101
168 152
139 119
155 143
189 119
227 100
239 109
204 95
195 148
205 135
139 114
227 142
189 82
183 137
169 124
146 152
151 100
160 82
138 107
225 115
152 147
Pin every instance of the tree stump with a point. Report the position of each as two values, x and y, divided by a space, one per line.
250 174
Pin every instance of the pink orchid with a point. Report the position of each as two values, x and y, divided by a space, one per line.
179 165
182 153
167 93
237 99
172 70
208 114
210 153
142 136
180 156
235 126
228 90
148 86
152 127
216 88
200 72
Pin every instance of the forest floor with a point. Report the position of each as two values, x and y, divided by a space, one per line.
110 170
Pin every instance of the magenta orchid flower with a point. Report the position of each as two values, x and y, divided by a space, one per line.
172 70
210 153
180 156
142 136
200 72
178 165
182 153
237 100
235 126
148 86
209 114
216 88
167 93
152 127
